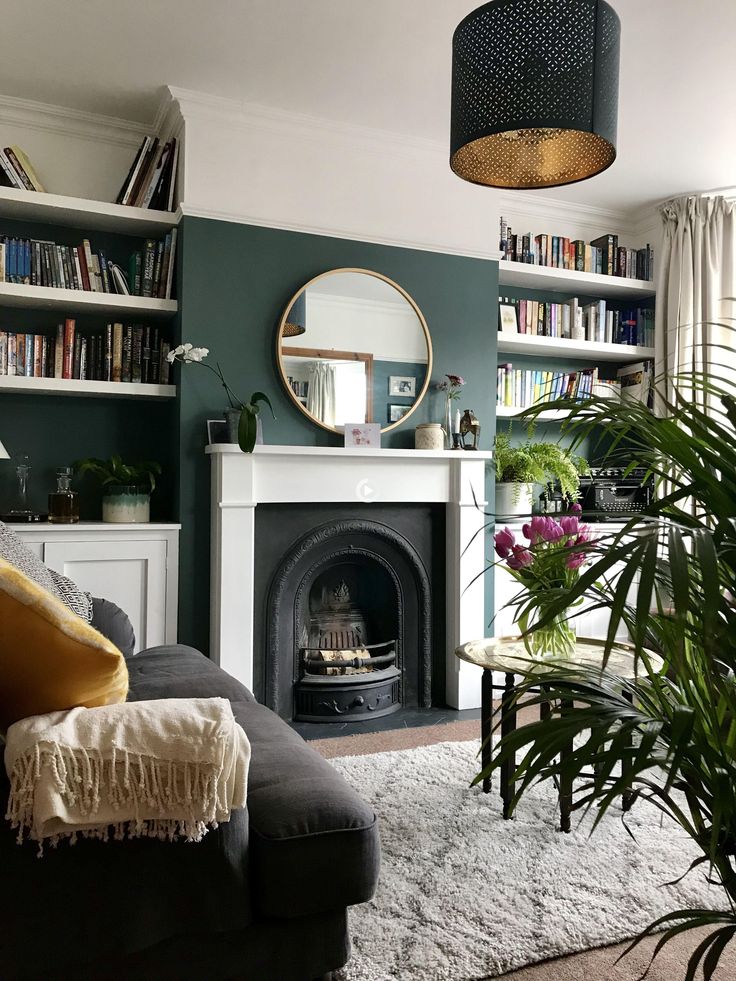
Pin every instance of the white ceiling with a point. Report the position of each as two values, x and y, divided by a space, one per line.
383 64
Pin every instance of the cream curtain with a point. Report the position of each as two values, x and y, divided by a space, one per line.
322 392
696 284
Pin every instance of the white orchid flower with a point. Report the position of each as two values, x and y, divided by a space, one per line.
187 354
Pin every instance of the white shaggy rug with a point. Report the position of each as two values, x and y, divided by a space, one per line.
465 895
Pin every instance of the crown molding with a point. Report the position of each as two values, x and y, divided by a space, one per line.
522 204
190 211
242 115
168 121
70 122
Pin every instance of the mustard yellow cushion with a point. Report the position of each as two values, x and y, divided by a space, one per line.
51 659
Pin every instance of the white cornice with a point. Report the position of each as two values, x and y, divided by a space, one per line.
70 122
331 232
545 211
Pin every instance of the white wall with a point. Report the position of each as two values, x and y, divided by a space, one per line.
388 331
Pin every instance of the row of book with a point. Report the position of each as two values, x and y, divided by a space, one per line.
36 262
520 388
572 320
602 255
16 170
120 353
299 388
151 180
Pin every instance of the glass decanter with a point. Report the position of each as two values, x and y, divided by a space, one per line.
64 502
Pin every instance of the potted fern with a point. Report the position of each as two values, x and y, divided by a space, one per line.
126 487
520 468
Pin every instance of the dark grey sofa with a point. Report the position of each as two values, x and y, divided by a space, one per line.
263 898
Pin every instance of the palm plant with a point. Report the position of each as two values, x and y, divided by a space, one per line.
668 737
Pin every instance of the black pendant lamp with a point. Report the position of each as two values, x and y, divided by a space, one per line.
535 92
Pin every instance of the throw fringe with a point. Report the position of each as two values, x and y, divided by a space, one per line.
85 778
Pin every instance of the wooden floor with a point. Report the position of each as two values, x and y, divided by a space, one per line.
592 965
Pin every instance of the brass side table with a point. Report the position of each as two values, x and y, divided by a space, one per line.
505 654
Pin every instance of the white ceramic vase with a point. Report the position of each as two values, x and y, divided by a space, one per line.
514 500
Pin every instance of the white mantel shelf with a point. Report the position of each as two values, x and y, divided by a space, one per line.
338 475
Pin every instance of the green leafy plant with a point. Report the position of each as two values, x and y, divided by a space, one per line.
668 737
249 411
537 463
114 471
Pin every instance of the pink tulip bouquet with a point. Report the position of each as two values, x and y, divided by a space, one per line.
546 564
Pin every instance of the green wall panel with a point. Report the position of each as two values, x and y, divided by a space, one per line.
236 280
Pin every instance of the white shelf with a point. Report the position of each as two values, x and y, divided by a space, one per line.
99 216
52 298
566 281
19 384
536 345
550 415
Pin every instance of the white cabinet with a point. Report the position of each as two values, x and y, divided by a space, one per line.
592 624
135 566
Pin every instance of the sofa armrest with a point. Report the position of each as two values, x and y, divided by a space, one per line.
113 622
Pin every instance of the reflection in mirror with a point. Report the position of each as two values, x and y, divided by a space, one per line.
354 348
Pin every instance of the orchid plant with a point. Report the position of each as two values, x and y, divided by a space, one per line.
249 411
546 565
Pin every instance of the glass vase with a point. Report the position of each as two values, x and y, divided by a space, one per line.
447 424
555 641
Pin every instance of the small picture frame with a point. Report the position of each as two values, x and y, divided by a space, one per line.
217 431
366 435
404 385
397 412
509 323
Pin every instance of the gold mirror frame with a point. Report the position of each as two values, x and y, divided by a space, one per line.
420 316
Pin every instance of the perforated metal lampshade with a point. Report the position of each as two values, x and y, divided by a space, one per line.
535 92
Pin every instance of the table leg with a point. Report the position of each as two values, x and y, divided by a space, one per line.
508 724
486 715
627 798
565 784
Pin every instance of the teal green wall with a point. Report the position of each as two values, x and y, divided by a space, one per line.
236 280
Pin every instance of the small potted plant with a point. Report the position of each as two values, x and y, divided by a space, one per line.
519 468
126 487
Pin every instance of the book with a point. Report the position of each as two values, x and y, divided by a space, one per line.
20 161
636 381
68 349
171 265
149 261
127 362
59 352
117 353
124 191
107 376
12 179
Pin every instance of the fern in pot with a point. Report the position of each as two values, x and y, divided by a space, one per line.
520 468
126 487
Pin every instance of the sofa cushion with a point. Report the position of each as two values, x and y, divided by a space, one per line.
314 843
51 659
114 624
15 551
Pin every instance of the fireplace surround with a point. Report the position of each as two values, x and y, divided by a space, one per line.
365 480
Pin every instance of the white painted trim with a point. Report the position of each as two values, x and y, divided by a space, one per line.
311 474
330 232
543 212
71 122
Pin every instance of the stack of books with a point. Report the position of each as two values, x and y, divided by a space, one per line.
602 255
120 353
17 171
299 388
522 388
592 321
151 180
37 262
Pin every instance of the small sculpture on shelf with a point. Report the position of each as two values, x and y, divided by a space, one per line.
469 426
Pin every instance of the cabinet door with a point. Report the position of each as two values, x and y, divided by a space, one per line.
130 573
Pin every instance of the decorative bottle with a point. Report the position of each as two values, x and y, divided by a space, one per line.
64 502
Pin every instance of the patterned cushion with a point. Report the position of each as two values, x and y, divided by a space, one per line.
17 553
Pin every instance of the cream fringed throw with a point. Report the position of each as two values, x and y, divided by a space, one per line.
164 769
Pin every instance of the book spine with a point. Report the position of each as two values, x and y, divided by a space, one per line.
83 359
149 261
155 355
3 352
12 354
117 352
108 353
146 357
137 365
172 265
40 354
164 365
76 357
30 356
59 352
70 330
106 286
16 165
127 366
89 264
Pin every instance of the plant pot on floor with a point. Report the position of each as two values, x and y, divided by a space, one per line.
514 499
126 504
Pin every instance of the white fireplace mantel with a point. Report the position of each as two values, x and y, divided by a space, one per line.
337 475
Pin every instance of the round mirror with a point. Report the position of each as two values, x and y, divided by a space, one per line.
353 347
